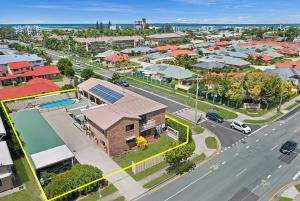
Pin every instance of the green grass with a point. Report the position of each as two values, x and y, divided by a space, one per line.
291 106
159 180
92 197
298 187
198 159
258 114
108 190
211 142
121 198
149 171
251 121
285 199
197 129
31 192
58 79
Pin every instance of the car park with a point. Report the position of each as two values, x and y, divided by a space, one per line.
288 147
214 117
240 126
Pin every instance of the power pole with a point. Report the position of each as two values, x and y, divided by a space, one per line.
196 105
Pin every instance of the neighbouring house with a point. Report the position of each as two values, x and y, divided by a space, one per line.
6 164
10 57
120 42
23 71
175 53
137 50
100 56
120 117
114 60
227 60
287 74
33 87
168 73
289 64
166 37
157 57
2 129
45 149
209 65
166 48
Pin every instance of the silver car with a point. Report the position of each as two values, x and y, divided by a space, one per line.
240 126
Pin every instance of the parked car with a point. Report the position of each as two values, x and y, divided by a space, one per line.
288 147
124 83
214 117
240 126
78 69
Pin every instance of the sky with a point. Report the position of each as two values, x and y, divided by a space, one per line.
155 11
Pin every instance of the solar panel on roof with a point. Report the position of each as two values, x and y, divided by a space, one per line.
106 93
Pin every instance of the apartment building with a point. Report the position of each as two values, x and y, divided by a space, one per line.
166 37
120 116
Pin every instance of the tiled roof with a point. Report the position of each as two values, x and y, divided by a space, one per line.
167 47
116 57
175 53
18 65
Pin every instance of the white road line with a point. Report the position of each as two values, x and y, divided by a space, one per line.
269 176
273 129
279 166
247 147
241 172
257 140
295 131
236 154
203 176
296 175
223 163
256 187
275 147
266 134
258 130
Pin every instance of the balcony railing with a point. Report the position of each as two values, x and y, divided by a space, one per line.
146 126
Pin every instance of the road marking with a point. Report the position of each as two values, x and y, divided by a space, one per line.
258 130
273 129
241 172
296 175
256 187
275 147
257 140
279 166
203 176
247 147
223 163
236 154
297 130
266 134
269 176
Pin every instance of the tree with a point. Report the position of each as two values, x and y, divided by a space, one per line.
175 156
141 143
235 93
101 26
67 86
65 67
7 32
288 90
87 73
109 24
185 61
69 71
97 25
115 78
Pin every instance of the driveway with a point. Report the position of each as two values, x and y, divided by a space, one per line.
86 152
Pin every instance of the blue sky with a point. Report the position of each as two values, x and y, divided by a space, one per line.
126 11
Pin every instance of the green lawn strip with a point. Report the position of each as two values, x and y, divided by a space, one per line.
298 187
285 199
198 159
198 129
159 180
251 121
31 192
92 197
211 142
258 114
58 79
291 106
121 198
108 190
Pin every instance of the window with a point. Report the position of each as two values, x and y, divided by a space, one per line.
129 127
0 182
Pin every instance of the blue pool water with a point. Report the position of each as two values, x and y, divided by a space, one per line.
58 103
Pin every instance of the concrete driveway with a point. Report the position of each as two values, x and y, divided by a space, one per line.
86 152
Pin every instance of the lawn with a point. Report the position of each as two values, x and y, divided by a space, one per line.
285 199
31 192
141 175
291 106
108 190
92 197
258 114
121 198
298 187
211 142
159 180
198 159
251 121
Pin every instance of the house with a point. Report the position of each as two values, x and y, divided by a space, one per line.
23 71
289 64
100 56
175 53
10 57
168 73
137 50
166 48
227 60
114 60
287 74
158 57
6 164
166 37
209 65
120 117
33 87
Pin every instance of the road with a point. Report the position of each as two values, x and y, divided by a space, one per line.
250 170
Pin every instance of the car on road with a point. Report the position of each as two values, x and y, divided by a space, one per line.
124 83
288 147
214 117
240 126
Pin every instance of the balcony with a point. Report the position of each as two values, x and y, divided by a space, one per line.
148 125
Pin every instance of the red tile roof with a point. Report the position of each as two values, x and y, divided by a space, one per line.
167 47
18 65
175 53
116 57
33 87
289 64
266 58
223 43
273 43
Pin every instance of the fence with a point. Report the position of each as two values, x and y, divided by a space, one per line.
140 75
147 164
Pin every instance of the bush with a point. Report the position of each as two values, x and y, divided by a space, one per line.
141 143
67 86
184 167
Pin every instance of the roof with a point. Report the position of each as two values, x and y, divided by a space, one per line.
33 87
167 47
157 55
45 70
137 50
108 39
51 156
169 71
130 105
209 65
5 157
168 35
18 65
229 60
116 57
285 73
5 59
106 53
289 64
223 43
266 58
175 53
2 128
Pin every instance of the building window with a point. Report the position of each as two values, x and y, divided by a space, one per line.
0 182
129 127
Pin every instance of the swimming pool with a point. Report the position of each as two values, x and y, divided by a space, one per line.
58 103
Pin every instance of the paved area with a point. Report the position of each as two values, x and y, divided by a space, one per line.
291 192
199 140
86 152
246 169
189 114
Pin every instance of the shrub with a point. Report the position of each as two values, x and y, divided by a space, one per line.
184 167
141 143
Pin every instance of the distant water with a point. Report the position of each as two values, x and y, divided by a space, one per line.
180 26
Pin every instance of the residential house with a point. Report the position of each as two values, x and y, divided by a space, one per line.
100 56
227 60
166 37
114 60
137 50
6 164
157 57
120 117
175 53
209 65
287 74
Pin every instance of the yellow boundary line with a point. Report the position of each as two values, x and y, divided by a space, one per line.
97 180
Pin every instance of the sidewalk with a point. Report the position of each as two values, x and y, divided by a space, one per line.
288 192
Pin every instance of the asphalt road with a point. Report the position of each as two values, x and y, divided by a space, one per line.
250 170
227 135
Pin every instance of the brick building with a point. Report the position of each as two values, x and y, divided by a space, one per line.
120 116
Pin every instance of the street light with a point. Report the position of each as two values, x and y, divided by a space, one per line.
196 105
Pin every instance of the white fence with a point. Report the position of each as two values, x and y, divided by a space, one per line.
147 164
